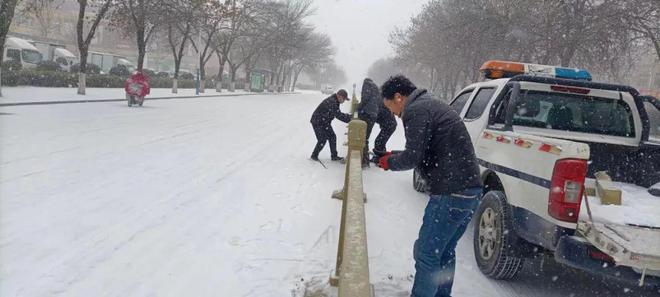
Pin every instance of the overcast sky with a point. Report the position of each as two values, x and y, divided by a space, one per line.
360 29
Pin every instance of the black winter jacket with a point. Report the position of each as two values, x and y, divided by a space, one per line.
438 144
327 111
385 116
369 100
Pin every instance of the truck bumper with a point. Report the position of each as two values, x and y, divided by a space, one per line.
575 252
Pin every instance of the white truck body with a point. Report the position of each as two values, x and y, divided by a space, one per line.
21 50
57 53
518 161
106 61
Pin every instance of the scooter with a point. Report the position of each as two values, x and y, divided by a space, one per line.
136 87
133 99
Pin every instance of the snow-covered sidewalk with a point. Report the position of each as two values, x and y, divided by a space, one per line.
22 95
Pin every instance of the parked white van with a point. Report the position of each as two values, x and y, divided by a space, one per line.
22 51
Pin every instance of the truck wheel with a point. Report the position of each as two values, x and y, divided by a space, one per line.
418 182
494 239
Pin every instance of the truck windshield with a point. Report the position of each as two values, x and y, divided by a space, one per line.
576 113
31 56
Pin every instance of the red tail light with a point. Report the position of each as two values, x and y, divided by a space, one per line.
566 189
570 89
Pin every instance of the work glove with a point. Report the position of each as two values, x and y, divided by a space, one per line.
383 161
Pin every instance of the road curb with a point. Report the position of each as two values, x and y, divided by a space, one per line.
147 99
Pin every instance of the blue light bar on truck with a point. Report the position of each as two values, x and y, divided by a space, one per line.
500 69
572 73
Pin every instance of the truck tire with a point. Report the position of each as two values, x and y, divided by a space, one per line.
419 183
494 239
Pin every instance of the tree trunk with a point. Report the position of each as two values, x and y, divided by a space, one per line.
141 53
0 76
175 80
221 69
82 83
295 78
247 86
232 81
82 71
202 76
7 8
289 82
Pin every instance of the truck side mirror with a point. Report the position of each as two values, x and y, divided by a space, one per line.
511 106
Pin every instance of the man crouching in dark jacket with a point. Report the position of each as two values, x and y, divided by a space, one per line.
321 119
368 112
438 144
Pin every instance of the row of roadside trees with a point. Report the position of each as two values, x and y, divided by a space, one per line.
447 42
241 34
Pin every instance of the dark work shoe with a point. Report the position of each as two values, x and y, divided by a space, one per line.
314 158
337 158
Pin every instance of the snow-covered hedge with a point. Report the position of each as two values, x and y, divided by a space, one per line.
32 77
49 66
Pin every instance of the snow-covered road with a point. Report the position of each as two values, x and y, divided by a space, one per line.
205 197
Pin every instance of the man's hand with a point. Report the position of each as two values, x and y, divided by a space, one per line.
382 162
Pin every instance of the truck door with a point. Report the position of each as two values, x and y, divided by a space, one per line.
474 118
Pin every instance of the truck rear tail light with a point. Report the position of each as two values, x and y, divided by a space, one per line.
566 189
572 191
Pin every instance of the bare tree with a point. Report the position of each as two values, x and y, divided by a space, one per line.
315 50
99 10
45 13
237 17
446 43
212 16
180 21
139 17
245 38
7 9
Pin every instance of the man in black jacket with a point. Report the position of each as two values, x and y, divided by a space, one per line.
387 124
368 111
438 144
321 119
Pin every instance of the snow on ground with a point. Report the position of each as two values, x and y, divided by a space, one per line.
205 197
38 94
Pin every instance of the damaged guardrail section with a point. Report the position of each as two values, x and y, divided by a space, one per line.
352 269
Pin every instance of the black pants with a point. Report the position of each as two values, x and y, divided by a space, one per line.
370 125
387 124
324 133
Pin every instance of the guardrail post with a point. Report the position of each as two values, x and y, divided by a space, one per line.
341 193
357 131
354 266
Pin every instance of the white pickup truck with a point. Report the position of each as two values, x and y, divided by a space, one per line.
539 132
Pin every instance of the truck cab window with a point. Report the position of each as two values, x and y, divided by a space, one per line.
458 103
479 103
574 113
14 54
